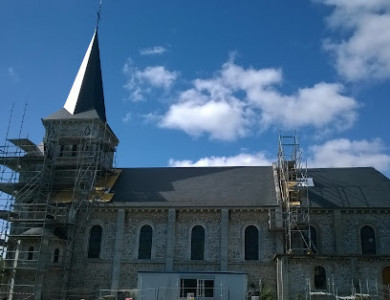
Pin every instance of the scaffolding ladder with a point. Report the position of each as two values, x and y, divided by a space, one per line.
293 187
43 188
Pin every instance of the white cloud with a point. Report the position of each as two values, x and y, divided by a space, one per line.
243 159
126 118
347 153
222 120
156 50
364 50
157 76
238 101
141 82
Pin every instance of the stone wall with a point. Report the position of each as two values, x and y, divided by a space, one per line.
210 219
349 226
342 268
185 221
323 223
343 274
348 268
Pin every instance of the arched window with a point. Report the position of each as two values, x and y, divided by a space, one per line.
197 243
30 253
145 242
95 240
251 243
56 256
367 238
319 278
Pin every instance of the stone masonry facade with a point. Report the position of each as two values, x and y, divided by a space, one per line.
343 262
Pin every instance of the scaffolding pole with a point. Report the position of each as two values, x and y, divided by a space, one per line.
293 187
44 189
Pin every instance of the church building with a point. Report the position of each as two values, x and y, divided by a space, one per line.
75 227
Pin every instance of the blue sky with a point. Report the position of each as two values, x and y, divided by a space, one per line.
210 82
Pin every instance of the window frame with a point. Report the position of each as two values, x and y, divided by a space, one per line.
199 253
200 287
150 247
247 254
95 253
319 278
368 249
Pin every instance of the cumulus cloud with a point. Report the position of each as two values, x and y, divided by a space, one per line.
141 82
157 76
363 51
238 101
156 50
347 153
222 120
243 159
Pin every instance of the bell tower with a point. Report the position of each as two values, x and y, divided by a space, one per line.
56 186
79 148
78 135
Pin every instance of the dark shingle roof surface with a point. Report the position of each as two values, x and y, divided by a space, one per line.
247 187
196 187
349 188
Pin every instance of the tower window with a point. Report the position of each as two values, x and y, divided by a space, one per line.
95 240
319 278
145 242
197 243
251 243
367 238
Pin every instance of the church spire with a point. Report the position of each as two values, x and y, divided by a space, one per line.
87 90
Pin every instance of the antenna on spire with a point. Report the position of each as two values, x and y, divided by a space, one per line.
98 14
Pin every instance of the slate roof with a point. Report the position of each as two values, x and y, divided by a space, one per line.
246 187
349 188
86 98
196 187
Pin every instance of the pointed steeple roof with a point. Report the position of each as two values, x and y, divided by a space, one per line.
86 98
87 89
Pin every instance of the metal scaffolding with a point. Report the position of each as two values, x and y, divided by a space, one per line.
293 185
43 189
